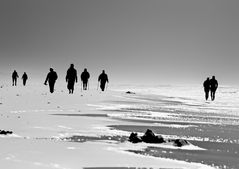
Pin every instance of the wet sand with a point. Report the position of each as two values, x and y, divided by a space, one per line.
62 131
217 133
222 154
203 127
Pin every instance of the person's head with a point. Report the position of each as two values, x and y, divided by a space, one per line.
72 65
51 70
103 71
213 77
85 70
208 78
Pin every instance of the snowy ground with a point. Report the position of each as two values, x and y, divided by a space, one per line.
41 123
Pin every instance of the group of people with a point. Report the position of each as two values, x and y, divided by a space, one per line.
15 76
71 79
210 85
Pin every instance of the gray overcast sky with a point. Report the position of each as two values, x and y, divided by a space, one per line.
159 41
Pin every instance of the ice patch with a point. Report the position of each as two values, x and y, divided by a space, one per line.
124 147
110 132
144 115
173 125
64 127
44 128
109 106
169 145
10 136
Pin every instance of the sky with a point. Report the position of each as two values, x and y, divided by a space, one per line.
134 41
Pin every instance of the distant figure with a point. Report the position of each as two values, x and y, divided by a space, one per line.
14 78
84 78
206 86
103 78
24 78
213 87
71 78
51 79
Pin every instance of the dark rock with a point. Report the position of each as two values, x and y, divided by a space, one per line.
3 132
129 92
149 137
180 142
134 138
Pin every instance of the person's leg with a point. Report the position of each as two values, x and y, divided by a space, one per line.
68 87
214 95
84 85
102 86
211 93
51 85
73 86
206 94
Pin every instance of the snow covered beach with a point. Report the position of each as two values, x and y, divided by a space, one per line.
89 129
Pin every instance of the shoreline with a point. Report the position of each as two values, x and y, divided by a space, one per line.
43 127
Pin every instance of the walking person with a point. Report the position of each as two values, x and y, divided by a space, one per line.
14 78
103 78
213 87
51 79
24 78
206 86
71 78
84 78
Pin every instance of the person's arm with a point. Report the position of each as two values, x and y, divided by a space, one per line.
81 77
76 77
47 78
107 80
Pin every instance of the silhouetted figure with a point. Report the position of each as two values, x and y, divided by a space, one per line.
213 87
71 78
14 78
103 78
206 86
24 78
84 78
51 79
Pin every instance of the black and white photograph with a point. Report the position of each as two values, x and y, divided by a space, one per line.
119 84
